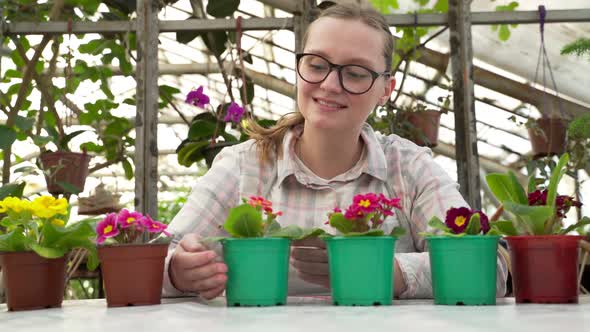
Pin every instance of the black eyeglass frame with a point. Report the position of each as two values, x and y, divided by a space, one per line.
375 75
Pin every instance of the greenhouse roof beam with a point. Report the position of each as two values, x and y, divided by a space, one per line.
398 20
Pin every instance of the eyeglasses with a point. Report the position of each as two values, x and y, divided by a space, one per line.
354 79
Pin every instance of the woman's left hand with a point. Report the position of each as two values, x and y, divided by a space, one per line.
310 258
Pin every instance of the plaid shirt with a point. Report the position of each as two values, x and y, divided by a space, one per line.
389 164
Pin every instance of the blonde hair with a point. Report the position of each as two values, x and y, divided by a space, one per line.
269 140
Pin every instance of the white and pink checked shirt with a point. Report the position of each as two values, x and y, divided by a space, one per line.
390 165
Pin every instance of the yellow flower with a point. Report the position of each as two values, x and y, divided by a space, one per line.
14 204
58 222
48 206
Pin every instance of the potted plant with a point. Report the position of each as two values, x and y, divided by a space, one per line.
132 258
418 123
360 258
34 249
547 136
257 253
207 133
463 258
544 258
65 171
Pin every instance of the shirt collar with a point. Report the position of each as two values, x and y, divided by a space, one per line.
374 164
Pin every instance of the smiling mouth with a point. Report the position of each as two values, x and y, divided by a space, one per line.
329 105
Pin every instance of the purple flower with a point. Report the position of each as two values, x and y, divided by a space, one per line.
457 219
197 98
234 113
107 228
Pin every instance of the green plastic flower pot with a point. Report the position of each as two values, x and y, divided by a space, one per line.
258 269
361 269
463 269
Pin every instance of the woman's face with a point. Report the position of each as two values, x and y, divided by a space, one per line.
327 105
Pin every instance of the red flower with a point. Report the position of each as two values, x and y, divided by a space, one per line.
562 202
457 219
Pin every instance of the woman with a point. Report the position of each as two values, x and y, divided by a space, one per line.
317 159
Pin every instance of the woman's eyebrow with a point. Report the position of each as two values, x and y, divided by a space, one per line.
349 61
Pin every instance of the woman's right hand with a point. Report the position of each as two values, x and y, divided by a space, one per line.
193 268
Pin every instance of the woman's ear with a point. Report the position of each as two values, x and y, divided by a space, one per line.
389 86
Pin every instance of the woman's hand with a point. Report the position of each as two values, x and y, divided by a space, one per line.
310 259
193 269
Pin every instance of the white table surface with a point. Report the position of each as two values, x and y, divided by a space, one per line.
301 314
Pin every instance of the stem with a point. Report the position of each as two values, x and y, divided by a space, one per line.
29 69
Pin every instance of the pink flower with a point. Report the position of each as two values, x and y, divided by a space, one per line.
197 98
234 113
128 219
367 203
153 226
107 228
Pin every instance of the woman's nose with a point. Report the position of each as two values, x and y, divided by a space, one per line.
332 82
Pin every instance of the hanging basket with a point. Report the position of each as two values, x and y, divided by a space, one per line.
426 124
65 172
548 137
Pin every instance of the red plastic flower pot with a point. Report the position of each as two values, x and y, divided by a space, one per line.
32 281
133 274
544 268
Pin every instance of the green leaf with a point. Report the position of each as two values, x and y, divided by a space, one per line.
397 232
504 227
371 232
13 73
48 252
341 223
191 152
385 6
534 216
556 176
69 188
186 37
441 6
438 224
127 168
222 8
244 221
12 189
41 140
532 184
24 123
7 137
67 138
201 129
474 226
17 59
583 222
506 187
13 241
273 227
504 32
246 100
215 41
289 232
